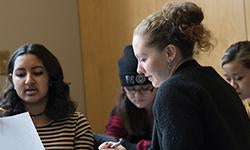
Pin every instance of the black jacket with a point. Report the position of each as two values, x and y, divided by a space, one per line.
196 109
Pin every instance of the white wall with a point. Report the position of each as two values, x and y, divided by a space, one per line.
54 23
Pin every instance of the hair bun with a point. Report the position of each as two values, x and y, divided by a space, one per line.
186 13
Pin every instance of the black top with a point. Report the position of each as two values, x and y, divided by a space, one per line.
196 109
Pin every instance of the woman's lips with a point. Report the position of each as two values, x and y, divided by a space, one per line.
30 92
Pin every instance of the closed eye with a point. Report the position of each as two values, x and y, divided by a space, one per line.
20 74
239 78
142 60
38 71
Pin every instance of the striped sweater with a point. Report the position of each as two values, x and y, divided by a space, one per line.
73 132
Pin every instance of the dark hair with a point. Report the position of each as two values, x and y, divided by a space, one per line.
59 102
136 120
178 24
240 51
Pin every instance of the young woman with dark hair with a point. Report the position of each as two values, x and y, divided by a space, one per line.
132 118
35 84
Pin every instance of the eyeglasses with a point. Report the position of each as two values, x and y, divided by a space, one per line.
139 88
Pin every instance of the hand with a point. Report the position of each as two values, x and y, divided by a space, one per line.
107 146
2 110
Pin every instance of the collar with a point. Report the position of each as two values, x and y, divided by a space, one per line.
188 63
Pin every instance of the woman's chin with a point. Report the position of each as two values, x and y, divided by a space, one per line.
155 84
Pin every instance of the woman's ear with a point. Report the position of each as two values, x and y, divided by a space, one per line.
10 77
170 52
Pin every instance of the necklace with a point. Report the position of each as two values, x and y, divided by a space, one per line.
37 115
35 119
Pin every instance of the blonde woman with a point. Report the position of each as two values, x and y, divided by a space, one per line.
194 108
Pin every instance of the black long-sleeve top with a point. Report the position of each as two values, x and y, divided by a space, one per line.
196 109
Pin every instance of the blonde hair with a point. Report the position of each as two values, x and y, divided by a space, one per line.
178 24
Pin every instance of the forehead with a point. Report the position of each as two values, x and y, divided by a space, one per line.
27 60
234 67
140 45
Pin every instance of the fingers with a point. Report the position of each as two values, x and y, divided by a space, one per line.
105 145
2 110
108 145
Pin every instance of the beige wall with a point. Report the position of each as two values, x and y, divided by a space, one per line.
106 26
225 18
247 16
54 23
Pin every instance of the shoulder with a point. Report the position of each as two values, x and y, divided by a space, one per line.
74 118
78 116
179 90
192 77
177 84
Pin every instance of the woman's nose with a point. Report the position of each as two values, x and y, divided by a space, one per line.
138 93
140 70
234 84
29 79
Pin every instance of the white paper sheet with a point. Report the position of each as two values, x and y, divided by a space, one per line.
18 133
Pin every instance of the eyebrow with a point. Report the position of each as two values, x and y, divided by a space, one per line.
36 67
42 67
234 74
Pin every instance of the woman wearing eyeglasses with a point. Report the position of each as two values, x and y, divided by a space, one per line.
131 118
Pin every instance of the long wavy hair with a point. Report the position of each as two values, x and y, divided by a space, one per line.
59 103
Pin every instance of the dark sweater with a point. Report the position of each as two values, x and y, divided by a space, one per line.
196 109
